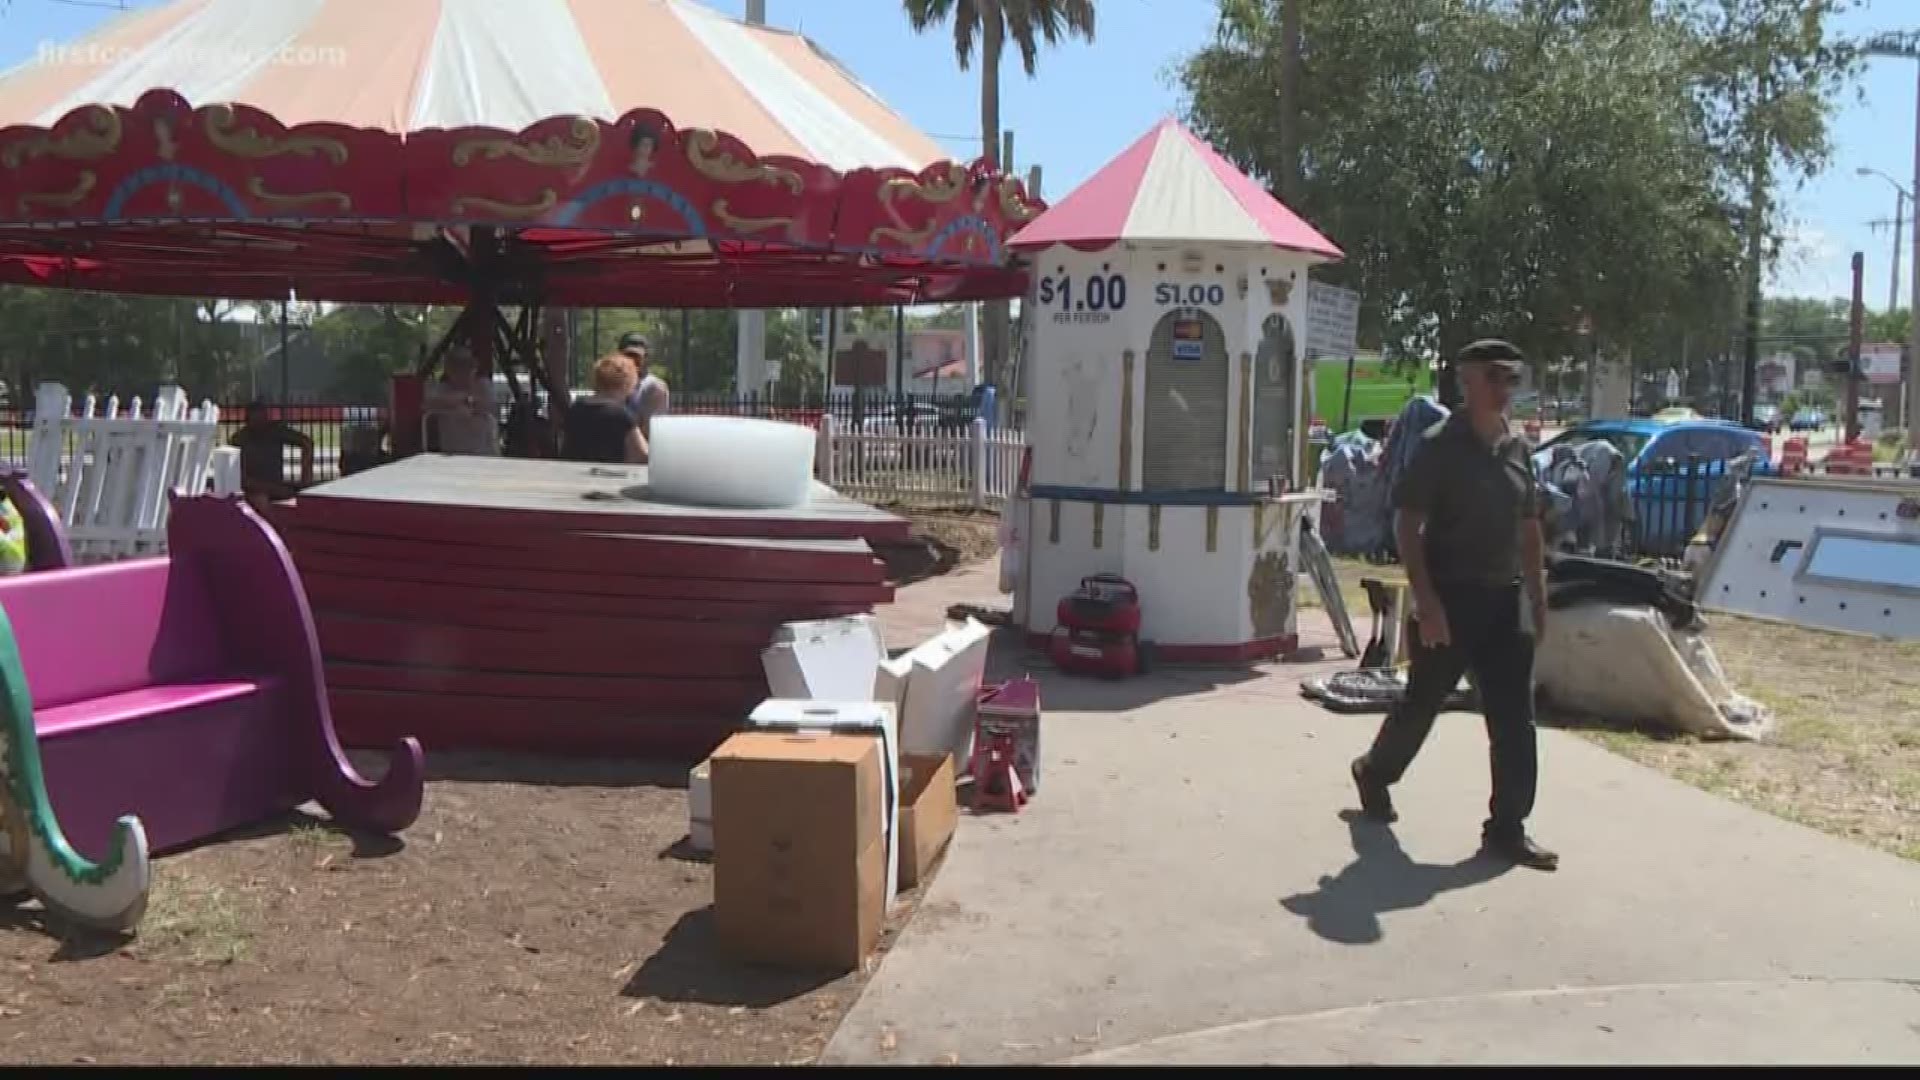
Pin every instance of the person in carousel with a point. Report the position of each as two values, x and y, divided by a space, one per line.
462 411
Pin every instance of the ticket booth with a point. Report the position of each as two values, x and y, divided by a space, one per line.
1166 407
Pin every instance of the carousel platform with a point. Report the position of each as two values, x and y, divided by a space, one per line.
553 607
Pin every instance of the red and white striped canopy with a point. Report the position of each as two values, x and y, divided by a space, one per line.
1170 186
407 65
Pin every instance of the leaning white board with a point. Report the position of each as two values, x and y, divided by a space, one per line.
943 692
1837 555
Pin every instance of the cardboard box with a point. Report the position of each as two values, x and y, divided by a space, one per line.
800 864
874 719
929 812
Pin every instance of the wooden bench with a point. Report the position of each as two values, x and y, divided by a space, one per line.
158 702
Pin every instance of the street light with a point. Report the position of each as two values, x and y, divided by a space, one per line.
1907 44
1901 196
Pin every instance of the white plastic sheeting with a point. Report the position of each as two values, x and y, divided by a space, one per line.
1625 663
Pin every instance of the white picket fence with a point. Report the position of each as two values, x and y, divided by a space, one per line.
108 472
922 465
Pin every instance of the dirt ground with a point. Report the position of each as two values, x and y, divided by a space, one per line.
942 540
1845 754
542 911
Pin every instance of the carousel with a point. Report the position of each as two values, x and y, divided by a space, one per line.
668 157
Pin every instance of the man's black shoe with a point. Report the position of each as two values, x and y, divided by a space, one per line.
1521 851
1375 802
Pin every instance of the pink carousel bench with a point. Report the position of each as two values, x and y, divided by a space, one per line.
167 701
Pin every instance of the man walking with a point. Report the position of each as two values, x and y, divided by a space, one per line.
1468 528
649 397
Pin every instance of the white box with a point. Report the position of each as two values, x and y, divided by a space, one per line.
700 808
942 692
876 717
824 659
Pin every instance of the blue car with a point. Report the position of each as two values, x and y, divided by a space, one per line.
1672 469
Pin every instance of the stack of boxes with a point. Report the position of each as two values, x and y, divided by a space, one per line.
820 811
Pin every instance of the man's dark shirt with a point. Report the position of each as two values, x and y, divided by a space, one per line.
1474 497
597 430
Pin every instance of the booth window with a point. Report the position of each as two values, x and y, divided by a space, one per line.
1184 444
1273 405
1867 562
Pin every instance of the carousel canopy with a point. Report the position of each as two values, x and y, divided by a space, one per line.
1171 187
643 152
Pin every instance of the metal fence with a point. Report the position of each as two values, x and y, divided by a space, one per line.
1670 504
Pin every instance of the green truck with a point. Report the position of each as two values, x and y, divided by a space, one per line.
1379 390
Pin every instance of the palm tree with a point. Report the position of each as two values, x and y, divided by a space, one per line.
1026 23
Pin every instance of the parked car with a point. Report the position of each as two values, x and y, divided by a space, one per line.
1808 420
1671 469
1767 418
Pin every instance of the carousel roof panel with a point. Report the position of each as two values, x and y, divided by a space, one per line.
507 64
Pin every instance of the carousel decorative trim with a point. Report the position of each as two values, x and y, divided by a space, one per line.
99 138
259 190
465 204
722 167
223 131
573 151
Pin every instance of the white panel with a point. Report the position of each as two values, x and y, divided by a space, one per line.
942 691
1076 361
1189 595
1766 563
508 64
849 717
830 135
207 58
1181 199
824 659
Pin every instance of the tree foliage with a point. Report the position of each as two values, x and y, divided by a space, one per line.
1528 168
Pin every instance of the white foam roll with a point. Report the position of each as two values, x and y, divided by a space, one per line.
730 461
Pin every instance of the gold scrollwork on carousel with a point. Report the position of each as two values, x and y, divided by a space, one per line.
746 224
223 132
574 151
259 190
727 169
466 204
59 199
1017 209
938 191
97 138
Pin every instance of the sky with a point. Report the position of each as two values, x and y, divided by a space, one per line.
1089 102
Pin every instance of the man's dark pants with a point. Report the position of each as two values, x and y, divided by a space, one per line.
1489 638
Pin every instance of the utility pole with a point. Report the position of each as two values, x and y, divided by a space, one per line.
1850 416
1907 45
1900 197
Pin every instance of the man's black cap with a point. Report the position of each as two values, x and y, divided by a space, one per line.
634 339
1492 351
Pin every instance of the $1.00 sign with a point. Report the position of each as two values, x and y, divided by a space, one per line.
1088 299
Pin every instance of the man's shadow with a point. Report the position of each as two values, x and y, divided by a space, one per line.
1347 907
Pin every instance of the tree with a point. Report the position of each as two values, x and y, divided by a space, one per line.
1526 168
1027 23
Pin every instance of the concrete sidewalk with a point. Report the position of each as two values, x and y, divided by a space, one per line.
1190 885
